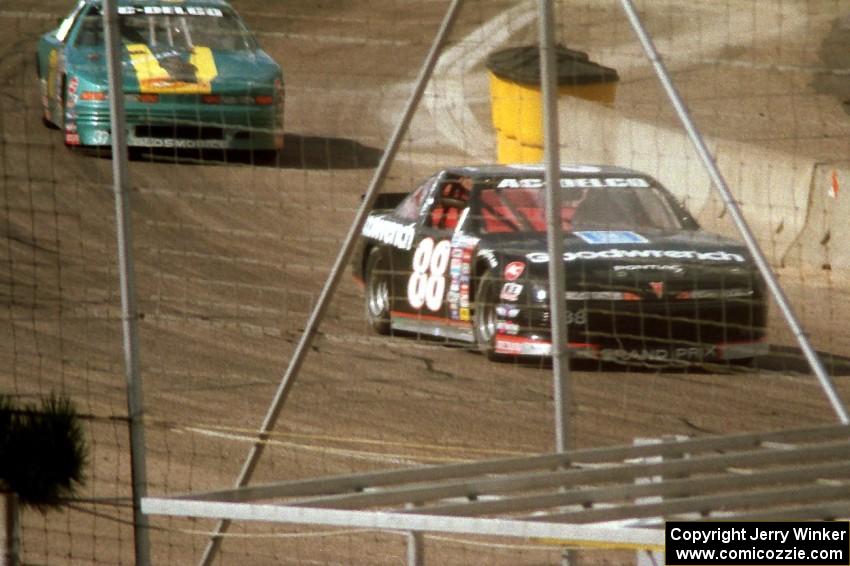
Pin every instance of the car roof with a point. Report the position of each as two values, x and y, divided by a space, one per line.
218 3
577 170
567 169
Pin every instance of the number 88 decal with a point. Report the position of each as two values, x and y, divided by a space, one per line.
427 284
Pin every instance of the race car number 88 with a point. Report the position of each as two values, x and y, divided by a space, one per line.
427 283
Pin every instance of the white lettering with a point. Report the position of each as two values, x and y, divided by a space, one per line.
427 283
574 182
658 355
388 232
719 255
172 142
170 10
649 267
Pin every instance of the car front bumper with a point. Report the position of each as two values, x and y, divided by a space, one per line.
635 331
185 126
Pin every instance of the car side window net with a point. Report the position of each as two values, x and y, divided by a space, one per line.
450 202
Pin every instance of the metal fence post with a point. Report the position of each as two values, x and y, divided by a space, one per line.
339 266
555 233
123 225
555 236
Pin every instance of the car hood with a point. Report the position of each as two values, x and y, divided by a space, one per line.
604 255
202 71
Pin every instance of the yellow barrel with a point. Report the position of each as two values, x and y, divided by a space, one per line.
530 114
516 102
503 103
508 149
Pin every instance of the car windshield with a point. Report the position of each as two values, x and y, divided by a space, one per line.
183 28
523 209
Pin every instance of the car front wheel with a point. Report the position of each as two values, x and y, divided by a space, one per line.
484 320
378 292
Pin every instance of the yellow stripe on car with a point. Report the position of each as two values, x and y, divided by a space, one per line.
154 78
202 59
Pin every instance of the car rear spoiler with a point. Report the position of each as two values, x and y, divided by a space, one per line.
387 201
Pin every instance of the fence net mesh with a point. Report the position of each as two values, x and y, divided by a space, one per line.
232 248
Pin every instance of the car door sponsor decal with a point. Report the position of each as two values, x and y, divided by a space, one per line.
169 71
611 237
427 283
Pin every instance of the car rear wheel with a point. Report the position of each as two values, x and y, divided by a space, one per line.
484 319
378 292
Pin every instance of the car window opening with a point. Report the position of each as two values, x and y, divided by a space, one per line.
620 208
167 31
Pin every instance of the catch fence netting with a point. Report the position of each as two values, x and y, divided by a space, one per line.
232 248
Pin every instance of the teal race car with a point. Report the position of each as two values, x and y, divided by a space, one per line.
193 75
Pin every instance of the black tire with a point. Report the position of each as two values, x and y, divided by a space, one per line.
484 317
378 291
48 124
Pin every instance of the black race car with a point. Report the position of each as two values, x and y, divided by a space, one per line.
464 257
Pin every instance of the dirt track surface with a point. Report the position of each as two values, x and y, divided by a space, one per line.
231 255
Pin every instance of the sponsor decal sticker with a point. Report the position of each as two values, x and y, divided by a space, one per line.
505 327
510 291
574 182
507 347
169 11
165 70
389 232
616 253
172 142
514 270
611 237
507 311
659 354
677 269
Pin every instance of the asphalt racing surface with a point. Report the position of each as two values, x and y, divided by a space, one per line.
231 254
